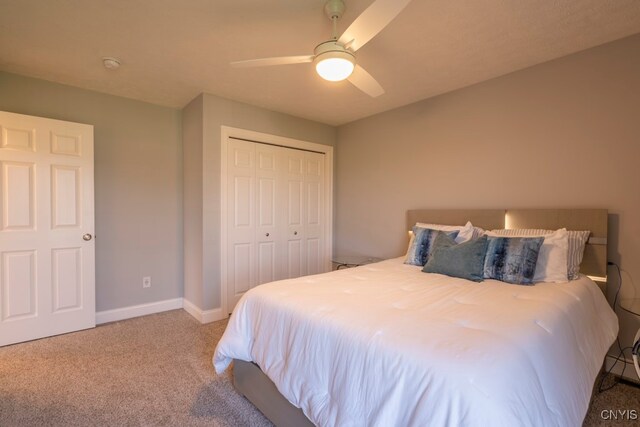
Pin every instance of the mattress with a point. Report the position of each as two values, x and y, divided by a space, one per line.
386 344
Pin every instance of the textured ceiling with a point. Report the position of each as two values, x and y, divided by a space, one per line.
173 50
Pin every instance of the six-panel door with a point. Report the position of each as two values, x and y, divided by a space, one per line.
47 283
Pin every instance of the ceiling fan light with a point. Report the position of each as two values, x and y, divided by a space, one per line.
334 66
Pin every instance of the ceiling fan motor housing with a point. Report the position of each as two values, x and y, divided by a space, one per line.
332 49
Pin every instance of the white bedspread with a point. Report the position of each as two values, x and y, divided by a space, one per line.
388 345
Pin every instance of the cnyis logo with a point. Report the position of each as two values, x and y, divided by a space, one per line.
619 414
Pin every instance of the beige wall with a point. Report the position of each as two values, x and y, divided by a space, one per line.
561 134
138 185
216 112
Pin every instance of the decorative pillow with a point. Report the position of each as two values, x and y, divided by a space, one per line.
465 232
575 252
512 259
465 260
552 259
421 245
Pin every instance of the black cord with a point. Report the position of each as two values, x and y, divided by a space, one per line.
622 350
607 373
615 299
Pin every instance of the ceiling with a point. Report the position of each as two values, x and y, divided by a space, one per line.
173 50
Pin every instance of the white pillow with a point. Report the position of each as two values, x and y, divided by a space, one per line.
552 259
465 232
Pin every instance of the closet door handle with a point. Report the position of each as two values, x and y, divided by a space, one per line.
295 233
267 234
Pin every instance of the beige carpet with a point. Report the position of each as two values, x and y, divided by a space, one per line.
148 371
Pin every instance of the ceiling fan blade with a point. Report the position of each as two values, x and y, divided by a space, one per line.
371 22
280 60
363 81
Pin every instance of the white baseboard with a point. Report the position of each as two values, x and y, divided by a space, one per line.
629 370
137 310
203 316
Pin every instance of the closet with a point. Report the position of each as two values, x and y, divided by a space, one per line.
275 215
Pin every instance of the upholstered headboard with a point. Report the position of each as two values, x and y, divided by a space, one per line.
487 219
594 262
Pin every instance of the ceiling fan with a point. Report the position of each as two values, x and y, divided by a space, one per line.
335 59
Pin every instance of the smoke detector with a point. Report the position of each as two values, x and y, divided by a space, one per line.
110 63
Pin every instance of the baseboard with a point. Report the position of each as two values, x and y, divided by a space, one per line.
203 316
137 310
629 370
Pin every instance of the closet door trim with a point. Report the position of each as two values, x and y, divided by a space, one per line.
265 138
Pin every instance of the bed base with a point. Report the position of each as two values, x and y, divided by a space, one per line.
253 384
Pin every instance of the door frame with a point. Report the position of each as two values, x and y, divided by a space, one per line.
265 138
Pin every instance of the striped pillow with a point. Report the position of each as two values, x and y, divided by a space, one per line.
421 245
577 242
477 232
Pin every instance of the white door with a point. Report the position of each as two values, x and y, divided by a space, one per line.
267 233
47 251
275 215
293 204
241 252
314 213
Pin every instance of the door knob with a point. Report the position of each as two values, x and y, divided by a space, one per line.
267 234
295 233
87 237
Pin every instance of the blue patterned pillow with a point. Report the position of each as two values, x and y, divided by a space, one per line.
464 260
422 245
512 259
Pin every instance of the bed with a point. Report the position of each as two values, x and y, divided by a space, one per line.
386 344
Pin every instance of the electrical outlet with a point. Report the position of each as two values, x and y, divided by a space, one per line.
146 282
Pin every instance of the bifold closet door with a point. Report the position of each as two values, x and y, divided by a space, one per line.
282 209
268 235
314 213
294 212
275 215
241 247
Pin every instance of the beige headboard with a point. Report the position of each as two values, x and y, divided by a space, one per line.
594 262
487 219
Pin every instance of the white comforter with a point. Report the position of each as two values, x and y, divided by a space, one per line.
388 345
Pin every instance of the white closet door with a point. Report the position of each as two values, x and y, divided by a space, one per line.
293 218
314 213
47 251
267 233
275 215
241 247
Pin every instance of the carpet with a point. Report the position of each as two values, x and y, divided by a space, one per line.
151 371
148 371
